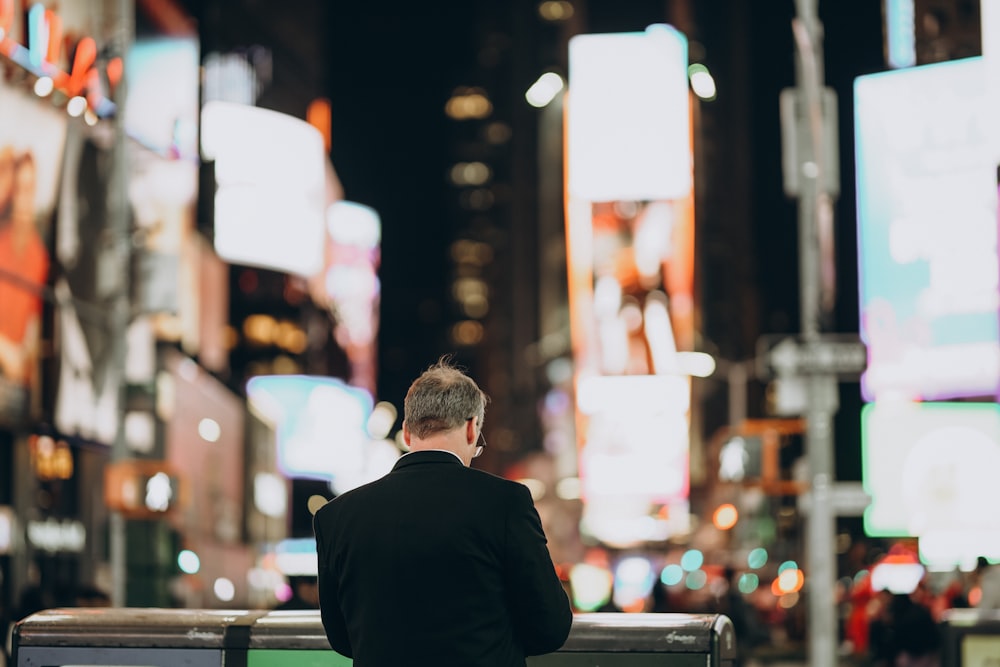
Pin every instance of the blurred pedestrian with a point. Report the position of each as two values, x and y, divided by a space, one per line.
989 584
659 598
748 627
437 563
305 594
861 602
904 634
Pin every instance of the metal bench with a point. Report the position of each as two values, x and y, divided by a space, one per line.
203 638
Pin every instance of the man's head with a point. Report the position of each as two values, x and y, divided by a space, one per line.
444 401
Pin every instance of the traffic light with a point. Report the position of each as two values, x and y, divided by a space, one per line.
761 452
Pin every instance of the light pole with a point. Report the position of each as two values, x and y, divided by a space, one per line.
817 187
118 225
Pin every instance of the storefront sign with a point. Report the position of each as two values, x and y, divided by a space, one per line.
68 535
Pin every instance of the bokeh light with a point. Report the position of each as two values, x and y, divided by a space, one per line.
757 558
748 583
381 420
788 601
789 581
692 560
696 580
633 581
591 586
224 589
788 565
209 430
702 81
672 575
725 516
188 562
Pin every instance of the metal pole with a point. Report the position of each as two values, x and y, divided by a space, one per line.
118 225
814 227
821 525
736 377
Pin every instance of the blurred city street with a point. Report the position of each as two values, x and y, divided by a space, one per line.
727 271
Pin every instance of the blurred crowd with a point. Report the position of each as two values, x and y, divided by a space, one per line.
883 628
898 625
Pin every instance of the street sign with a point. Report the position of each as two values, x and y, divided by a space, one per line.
842 355
846 498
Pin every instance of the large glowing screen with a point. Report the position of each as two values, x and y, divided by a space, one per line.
321 425
629 122
930 469
927 232
270 175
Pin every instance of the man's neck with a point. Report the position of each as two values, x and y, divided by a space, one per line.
444 443
446 451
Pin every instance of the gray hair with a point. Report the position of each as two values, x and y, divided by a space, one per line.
441 399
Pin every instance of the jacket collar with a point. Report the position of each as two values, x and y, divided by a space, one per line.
427 456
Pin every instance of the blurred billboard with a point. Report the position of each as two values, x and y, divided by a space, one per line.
927 233
168 286
32 140
930 469
630 243
348 285
204 434
321 429
628 130
270 177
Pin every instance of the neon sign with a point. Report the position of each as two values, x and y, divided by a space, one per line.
45 44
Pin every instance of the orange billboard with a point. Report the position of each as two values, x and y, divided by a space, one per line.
630 242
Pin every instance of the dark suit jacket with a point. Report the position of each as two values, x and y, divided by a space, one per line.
438 564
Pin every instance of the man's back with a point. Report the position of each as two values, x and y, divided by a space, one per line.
438 563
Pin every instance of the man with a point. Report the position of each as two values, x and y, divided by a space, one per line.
438 563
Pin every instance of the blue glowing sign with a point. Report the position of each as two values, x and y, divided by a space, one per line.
321 423
927 233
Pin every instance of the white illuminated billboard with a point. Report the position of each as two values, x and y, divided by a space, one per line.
270 202
628 116
634 464
930 469
322 429
927 232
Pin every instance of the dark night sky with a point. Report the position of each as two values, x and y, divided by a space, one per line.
390 76
390 72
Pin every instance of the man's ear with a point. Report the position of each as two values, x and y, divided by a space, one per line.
406 434
470 431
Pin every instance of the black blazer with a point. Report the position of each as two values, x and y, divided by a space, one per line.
438 564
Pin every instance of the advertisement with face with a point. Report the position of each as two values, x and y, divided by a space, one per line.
32 135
